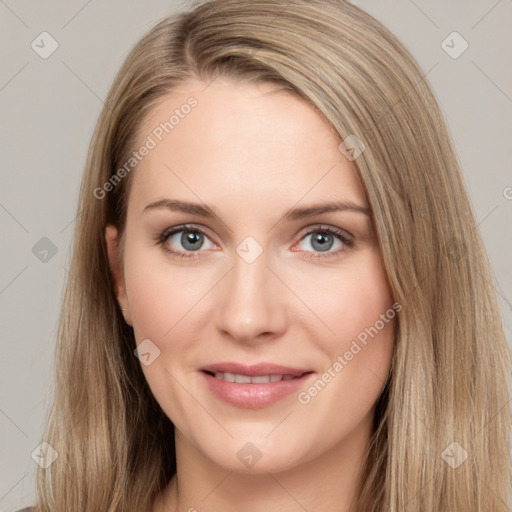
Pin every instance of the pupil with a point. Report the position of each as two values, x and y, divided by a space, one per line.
322 240
189 239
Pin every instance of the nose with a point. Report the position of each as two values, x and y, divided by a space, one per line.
252 302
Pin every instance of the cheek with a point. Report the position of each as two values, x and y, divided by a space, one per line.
162 302
351 301
169 305
159 294
357 307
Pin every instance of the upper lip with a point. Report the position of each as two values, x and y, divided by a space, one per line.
254 370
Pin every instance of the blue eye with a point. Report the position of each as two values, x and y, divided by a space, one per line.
192 240
323 239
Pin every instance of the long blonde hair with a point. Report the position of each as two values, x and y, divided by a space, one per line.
447 395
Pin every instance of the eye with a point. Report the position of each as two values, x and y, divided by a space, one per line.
322 239
190 238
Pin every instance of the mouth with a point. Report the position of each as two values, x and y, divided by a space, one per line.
255 386
257 379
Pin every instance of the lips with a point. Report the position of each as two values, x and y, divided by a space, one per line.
253 386
247 379
255 370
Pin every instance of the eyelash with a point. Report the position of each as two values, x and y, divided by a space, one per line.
162 238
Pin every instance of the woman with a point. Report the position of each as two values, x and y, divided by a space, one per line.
279 298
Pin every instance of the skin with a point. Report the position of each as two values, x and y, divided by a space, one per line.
253 154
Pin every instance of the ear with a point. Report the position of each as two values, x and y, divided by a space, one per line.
112 239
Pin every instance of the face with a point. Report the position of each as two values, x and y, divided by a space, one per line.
251 284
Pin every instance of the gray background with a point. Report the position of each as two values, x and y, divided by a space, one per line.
49 108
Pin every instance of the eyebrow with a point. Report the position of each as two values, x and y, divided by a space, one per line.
206 211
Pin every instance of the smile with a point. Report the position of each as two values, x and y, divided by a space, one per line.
254 391
246 379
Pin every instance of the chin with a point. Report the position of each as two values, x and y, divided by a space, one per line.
248 458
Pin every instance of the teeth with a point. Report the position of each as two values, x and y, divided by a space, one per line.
262 379
246 379
230 377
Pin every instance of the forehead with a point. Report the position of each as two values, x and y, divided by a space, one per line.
229 139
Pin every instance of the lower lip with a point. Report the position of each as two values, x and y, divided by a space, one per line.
253 396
